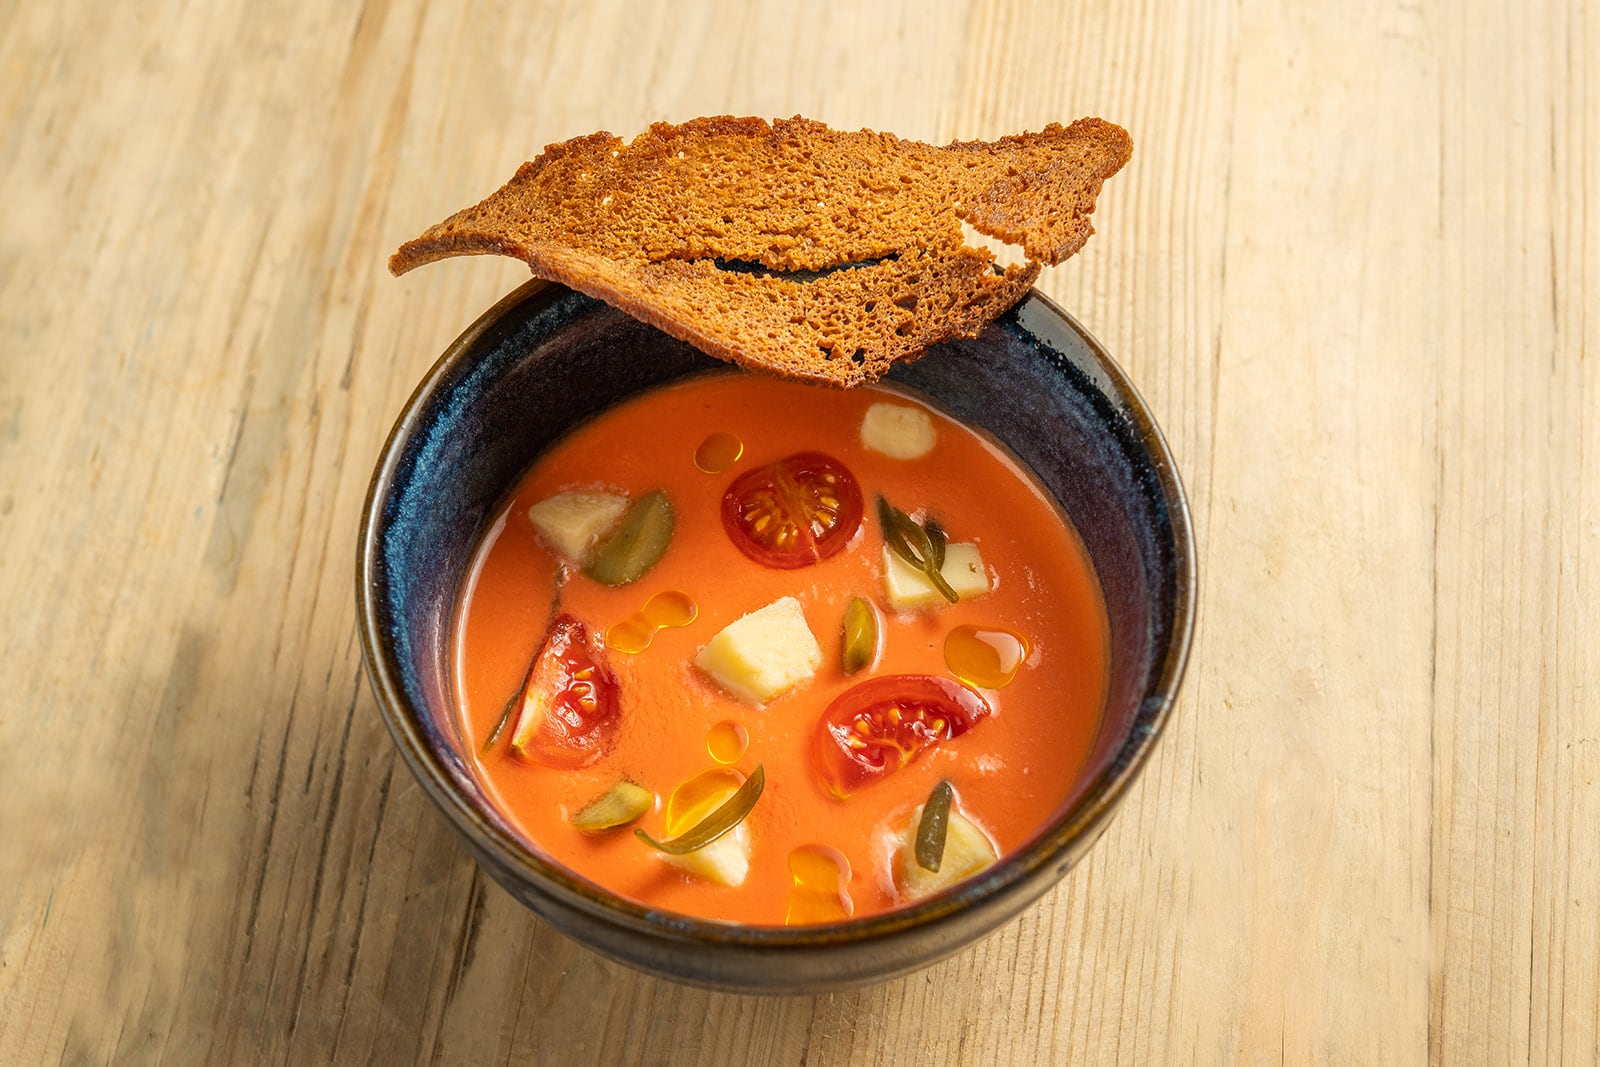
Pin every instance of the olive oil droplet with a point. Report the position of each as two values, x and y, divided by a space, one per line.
692 801
821 886
728 741
718 452
988 658
670 608
633 635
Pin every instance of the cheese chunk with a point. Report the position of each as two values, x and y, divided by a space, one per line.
898 431
967 850
908 588
725 861
571 523
767 652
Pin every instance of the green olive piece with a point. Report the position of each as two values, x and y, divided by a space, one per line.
719 822
934 827
638 544
617 806
860 635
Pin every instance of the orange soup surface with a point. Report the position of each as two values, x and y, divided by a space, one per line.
1033 648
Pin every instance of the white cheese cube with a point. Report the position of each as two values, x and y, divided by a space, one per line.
967 850
767 652
898 431
725 861
572 523
908 588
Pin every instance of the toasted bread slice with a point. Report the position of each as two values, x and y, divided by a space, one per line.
791 247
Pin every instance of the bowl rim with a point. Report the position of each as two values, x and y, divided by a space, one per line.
1011 878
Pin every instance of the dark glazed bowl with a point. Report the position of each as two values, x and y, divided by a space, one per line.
544 359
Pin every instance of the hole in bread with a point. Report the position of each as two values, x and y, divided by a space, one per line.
1005 253
909 303
859 356
761 270
739 266
868 306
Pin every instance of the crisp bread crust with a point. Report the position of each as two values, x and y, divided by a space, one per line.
789 247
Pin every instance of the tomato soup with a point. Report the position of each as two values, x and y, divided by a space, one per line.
998 693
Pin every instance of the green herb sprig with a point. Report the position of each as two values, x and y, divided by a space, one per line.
920 545
725 818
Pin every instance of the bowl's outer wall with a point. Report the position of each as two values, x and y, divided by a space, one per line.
550 359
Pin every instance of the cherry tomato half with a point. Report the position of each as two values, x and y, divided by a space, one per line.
873 729
569 703
795 512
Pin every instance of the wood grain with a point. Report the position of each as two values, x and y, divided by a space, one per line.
1353 267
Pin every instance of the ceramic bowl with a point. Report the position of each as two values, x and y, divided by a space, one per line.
545 359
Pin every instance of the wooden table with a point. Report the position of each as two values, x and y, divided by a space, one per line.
1354 267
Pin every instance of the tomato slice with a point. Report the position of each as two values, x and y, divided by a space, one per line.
569 703
873 729
794 512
